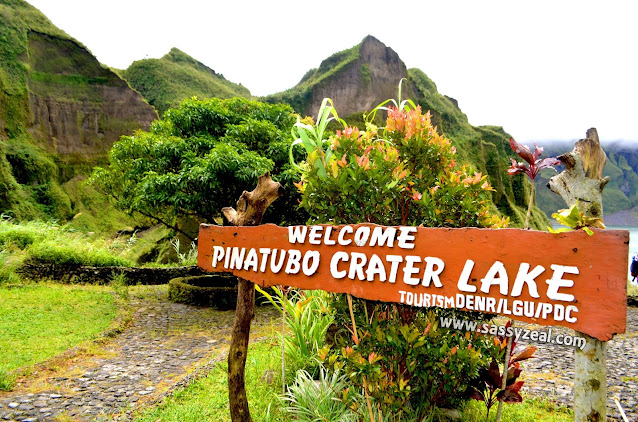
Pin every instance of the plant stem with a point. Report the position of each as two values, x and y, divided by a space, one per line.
506 365
529 207
356 340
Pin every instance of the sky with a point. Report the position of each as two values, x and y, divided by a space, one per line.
543 70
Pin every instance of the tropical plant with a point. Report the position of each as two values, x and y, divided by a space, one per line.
532 166
311 400
410 364
404 173
575 220
490 384
308 318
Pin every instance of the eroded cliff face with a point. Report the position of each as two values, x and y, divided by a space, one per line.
76 106
364 83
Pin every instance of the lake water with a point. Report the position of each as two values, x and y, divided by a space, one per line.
633 241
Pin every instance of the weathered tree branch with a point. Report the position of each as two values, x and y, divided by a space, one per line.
251 207
582 179
582 182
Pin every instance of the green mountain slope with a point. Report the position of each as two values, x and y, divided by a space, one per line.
360 78
166 82
60 112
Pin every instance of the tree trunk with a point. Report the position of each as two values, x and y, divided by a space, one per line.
251 207
244 314
582 182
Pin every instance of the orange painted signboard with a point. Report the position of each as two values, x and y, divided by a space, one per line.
568 279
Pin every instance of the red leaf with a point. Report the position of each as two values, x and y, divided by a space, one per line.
509 396
516 387
547 162
513 372
523 151
494 378
525 354
476 394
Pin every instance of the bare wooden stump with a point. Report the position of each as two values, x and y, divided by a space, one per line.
251 207
582 182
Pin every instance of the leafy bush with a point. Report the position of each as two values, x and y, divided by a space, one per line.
402 174
199 159
307 318
320 400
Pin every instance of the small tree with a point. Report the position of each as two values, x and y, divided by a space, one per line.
199 159
402 174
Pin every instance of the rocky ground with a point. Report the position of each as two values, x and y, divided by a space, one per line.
551 373
168 344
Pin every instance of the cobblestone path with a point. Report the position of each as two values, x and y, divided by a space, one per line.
551 373
163 345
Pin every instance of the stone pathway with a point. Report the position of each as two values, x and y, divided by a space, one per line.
551 373
165 343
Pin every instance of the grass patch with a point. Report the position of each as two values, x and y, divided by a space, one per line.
49 243
38 322
530 410
207 398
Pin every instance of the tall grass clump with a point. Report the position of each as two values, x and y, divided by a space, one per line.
49 243
7 379
307 321
74 252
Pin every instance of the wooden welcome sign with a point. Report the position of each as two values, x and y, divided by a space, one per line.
568 279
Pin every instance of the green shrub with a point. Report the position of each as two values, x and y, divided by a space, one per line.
216 291
402 174
309 400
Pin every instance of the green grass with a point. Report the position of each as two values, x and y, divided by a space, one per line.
207 398
50 243
38 322
530 410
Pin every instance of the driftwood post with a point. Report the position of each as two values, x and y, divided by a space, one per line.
250 210
582 182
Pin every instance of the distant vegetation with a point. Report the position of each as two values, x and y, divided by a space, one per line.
621 193
166 82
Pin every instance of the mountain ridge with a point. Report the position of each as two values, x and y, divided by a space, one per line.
167 81
60 112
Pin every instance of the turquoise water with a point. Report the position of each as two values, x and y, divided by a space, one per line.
633 241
